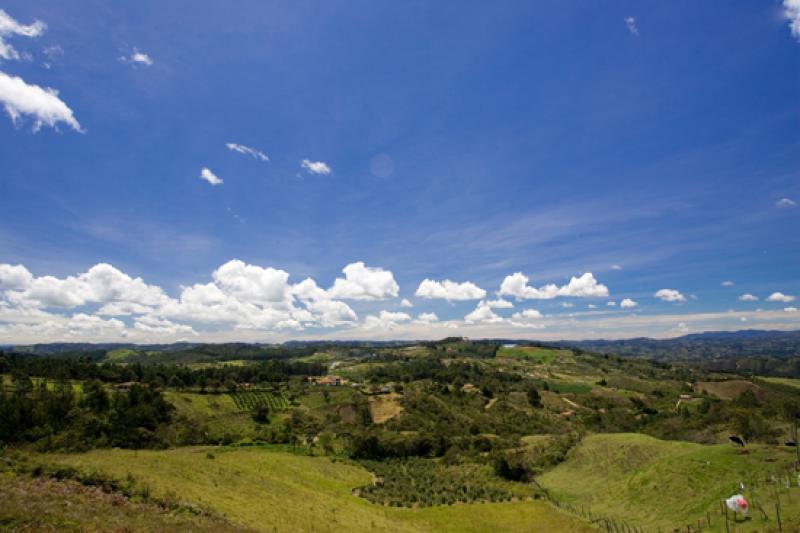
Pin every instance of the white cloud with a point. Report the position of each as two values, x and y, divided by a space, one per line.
747 297
627 303
44 105
528 313
158 326
246 150
405 302
426 318
682 327
210 177
528 318
630 22
780 297
612 304
364 283
138 58
586 286
10 27
483 314
792 14
315 167
670 295
252 283
499 304
100 284
785 202
790 309
567 305
449 290
14 277
385 320
728 283
616 267
591 306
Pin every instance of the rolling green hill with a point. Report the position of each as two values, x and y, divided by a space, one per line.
665 484
275 491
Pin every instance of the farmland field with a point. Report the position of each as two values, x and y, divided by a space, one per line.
532 353
249 400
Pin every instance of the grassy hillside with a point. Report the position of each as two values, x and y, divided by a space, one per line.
28 504
654 483
273 491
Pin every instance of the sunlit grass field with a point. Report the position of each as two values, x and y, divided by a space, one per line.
274 491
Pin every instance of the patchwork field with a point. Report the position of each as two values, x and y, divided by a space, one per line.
726 390
533 353
664 484
274 491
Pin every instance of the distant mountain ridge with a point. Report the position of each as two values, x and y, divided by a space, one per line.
707 345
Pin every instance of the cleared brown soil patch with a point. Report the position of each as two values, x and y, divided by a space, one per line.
728 390
384 407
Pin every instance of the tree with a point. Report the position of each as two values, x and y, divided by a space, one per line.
534 399
261 414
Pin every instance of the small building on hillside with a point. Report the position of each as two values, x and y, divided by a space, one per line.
327 381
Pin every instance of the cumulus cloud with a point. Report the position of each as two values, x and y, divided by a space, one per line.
790 309
627 303
10 27
528 318
364 283
449 290
630 23
780 297
405 302
315 167
785 202
670 295
483 314
246 150
210 177
499 304
100 284
42 104
728 283
585 286
747 297
426 318
791 10
385 320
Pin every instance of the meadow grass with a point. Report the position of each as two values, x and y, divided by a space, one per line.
664 484
533 353
274 491
28 504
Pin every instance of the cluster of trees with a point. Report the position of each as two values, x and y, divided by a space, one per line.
158 375
56 417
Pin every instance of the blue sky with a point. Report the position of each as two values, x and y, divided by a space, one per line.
650 145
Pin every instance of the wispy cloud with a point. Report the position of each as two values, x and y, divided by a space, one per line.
9 27
246 150
43 104
137 58
785 202
315 167
630 22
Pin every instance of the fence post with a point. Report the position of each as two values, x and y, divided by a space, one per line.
778 512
